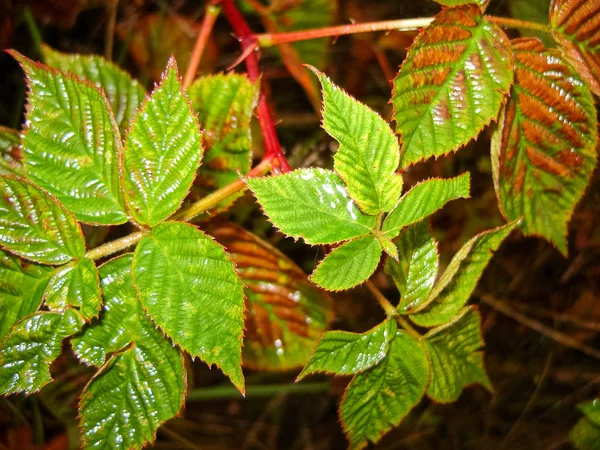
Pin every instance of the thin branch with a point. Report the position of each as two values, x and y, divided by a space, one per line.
518 24
109 32
210 17
383 302
268 390
115 246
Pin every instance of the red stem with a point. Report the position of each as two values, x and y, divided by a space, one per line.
247 40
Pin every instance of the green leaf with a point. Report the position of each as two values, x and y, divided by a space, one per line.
190 288
343 353
10 153
22 286
72 145
124 94
286 314
544 150
35 225
368 155
417 268
32 345
348 265
586 433
75 284
312 204
378 399
141 385
453 357
452 83
162 152
424 199
224 104
455 286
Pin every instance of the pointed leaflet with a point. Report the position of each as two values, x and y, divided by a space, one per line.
378 399
124 94
575 25
143 384
368 155
454 357
544 150
424 199
451 84
190 289
162 152
343 353
417 268
312 204
585 435
72 145
349 264
10 154
36 226
22 286
455 286
32 345
286 313
224 104
75 284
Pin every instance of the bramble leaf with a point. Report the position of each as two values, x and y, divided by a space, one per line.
143 384
452 83
286 314
190 289
586 433
75 284
544 150
32 345
162 152
349 264
10 154
124 94
424 199
453 357
575 26
22 286
312 204
417 268
36 226
368 155
455 286
71 146
344 353
378 399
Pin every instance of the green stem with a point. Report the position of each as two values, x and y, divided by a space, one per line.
383 302
34 31
115 246
267 390
408 328
519 24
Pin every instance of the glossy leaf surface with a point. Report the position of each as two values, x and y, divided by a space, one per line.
30 348
378 399
35 226
349 264
10 153
585 435
189 287
72 145
344 353
286 314
312 204
162 152
124 94
368 155
424 199
454 357
544 150
455 286
451 84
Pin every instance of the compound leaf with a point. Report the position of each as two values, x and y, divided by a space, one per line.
72 145
124 94
35 225
344 353
368 155
544 150
453 357
32 345
10 153
312 204
585 435
349 264
162 152
424 199
452 83
189 287
378 399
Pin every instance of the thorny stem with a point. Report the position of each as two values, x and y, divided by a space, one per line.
210 17
114 246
